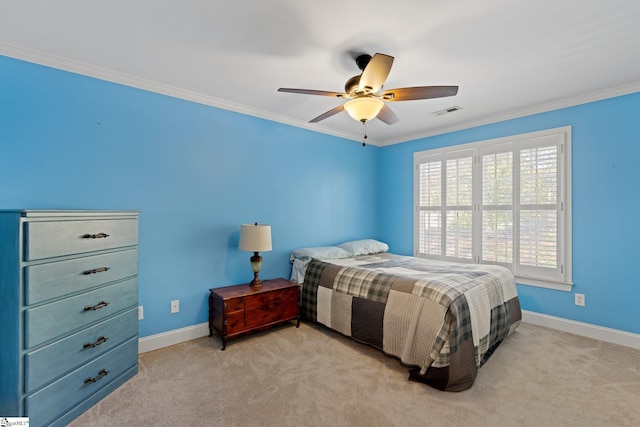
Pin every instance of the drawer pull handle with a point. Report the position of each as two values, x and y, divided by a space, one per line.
95 270
98 306
100 340
101 373
95 236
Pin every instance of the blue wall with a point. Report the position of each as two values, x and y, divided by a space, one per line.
606 203
195 172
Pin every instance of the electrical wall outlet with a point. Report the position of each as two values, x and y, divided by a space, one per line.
175 306
140 312
579 300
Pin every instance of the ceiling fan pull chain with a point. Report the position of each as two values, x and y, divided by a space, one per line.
364 127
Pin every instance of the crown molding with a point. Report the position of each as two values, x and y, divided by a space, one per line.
536 109
41 58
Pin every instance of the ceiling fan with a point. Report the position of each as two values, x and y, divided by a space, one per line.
366 98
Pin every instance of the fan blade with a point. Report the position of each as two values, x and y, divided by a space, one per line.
329 113
314 92
419 92
376 72
387 115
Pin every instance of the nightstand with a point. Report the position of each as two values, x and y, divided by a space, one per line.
238 309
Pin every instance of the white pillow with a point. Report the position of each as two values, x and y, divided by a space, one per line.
364 247
320 252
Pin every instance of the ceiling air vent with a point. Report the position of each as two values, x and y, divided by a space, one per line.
446 111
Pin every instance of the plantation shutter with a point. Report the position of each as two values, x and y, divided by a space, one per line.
539 208
497 207
459 205
430 208
504 202
445 207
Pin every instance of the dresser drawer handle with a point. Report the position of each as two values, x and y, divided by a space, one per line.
100 340
95 236
95 270
101 373
98 306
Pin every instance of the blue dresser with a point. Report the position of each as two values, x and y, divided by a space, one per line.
69 325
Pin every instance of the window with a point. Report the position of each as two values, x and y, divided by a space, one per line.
505 201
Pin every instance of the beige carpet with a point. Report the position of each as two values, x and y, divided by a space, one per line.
315 377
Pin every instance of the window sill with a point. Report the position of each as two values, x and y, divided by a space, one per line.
548 284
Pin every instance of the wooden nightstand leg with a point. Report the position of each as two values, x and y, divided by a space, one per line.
210 315
299 306
224 334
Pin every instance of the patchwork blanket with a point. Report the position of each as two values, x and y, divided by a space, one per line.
442 319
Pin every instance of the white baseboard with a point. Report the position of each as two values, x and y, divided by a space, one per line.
176 336
613 336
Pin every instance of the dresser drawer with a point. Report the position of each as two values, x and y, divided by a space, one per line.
54 400
53 360
45 239
49 321
56 279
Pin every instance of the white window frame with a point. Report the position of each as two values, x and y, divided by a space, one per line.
561 279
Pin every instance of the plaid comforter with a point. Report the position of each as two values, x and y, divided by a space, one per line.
442 319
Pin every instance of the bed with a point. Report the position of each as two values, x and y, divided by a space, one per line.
443 320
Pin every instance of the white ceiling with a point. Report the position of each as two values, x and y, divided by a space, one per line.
509 57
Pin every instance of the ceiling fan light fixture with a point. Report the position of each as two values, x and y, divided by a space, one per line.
367 100
364 108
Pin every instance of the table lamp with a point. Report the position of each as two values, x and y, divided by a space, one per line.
255 238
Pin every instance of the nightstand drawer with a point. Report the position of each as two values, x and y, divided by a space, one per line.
55 399
49 362
45 239
234 304
235 322
275 313
270 300
56 279
49 321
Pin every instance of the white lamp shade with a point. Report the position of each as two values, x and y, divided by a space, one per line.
255 238
364 108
